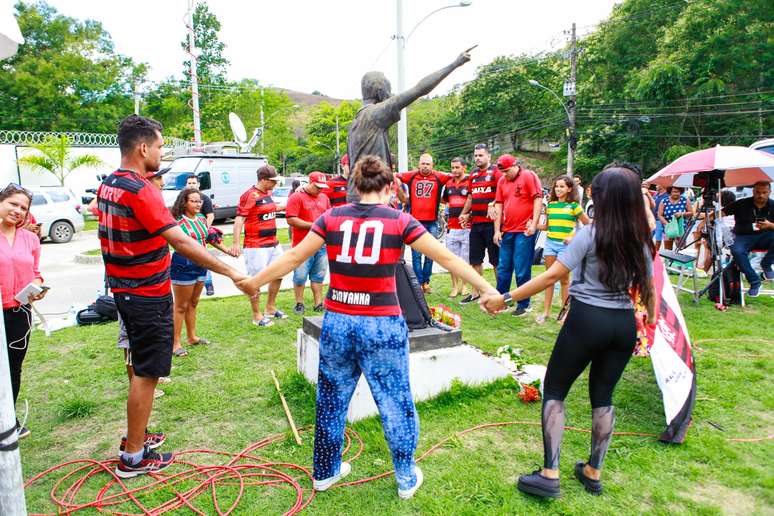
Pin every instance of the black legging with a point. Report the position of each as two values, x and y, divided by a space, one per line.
17 336
604 337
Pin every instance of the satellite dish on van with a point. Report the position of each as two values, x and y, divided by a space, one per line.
240 133
238 128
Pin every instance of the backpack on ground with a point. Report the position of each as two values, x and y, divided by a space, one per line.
411 298
89 316
106 307
732 287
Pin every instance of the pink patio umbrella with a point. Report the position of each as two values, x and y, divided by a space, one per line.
742 166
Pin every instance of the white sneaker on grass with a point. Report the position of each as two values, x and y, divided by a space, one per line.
405 494
322 485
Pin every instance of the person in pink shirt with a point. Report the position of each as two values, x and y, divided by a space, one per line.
19 259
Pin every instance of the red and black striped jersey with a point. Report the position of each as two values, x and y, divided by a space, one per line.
455 194
132 217
424 193
364 243
260 215
483 189
337 192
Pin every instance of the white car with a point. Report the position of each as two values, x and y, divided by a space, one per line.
58 211
280 196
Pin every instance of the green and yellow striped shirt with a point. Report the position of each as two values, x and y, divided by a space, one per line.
562 217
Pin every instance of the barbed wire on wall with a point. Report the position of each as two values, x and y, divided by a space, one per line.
16 137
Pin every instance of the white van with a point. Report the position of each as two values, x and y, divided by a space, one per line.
223 178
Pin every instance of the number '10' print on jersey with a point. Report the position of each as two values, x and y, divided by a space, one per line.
364 243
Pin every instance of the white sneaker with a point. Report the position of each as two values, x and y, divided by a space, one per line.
405 494
322 485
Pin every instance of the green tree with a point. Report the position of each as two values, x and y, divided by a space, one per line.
317 149
210 64
66 76
54 155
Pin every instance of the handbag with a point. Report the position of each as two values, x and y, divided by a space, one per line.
674 228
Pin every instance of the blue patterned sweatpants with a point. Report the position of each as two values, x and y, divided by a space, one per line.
378 347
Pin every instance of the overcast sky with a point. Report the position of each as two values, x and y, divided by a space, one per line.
309 45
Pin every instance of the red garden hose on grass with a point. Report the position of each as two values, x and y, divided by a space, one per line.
243 469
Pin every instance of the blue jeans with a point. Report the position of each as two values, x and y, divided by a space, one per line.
313 268
423 271
517 252
741 248
379 348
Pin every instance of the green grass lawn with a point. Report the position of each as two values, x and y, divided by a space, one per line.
222 397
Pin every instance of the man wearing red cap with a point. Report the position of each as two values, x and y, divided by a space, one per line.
518 203
303 209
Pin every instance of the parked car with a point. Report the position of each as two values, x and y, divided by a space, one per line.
58 211
280 196
222 177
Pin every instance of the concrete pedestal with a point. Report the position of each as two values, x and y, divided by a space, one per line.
436 358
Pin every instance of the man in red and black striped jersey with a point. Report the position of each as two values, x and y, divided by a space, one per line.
363 329
478 211
337 186
257 213
424 187
455 194
135 231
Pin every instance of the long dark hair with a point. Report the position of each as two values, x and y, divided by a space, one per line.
621 232
572 195
178 209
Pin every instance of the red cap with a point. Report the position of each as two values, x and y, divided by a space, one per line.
344 160
318 179
505 162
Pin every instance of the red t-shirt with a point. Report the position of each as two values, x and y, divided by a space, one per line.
517 198
483 189
305 207
424 193
132 216
260 215
338 191
364 243
456 194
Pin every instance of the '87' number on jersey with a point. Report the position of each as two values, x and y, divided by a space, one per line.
362 255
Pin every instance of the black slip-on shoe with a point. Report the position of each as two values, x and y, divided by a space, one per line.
592 486
538 485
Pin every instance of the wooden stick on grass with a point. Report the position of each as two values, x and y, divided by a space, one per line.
287 410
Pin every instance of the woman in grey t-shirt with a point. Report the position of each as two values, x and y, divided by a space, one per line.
609 260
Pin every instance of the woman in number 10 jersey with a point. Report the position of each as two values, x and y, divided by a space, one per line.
363 330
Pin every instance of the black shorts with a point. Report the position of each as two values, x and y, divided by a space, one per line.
482 239
149 326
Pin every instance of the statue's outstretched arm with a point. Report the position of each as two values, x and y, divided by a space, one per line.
393 105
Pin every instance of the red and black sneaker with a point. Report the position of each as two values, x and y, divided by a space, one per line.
151 462
152 440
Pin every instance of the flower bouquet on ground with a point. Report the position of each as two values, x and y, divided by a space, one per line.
443 314
529 392
528 376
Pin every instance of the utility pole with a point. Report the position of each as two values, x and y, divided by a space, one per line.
569 91
402 123
136 100
338 147
12 501
263 126
194 79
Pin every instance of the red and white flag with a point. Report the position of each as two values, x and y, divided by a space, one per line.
672 358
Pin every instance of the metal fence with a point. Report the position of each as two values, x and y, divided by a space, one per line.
14 137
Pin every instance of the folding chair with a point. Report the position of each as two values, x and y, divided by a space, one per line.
683 261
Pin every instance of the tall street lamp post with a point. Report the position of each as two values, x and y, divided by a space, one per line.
400 41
